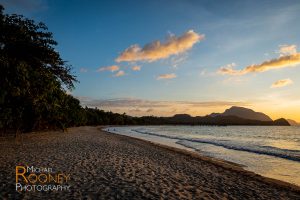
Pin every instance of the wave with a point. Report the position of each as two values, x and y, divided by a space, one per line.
228 144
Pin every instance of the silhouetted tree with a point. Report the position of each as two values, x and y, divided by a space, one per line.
33 75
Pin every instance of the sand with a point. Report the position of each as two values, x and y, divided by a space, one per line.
108 166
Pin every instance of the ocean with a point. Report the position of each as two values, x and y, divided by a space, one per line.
271 151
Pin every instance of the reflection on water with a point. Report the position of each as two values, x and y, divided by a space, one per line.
270 151
283 144
265 165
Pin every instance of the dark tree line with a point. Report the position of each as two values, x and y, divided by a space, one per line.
32 76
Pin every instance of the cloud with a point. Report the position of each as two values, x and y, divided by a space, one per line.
149 110
203 72
230 65
141 107
83 70
157 50
119 73
136 68
150 104
277 63
282 83
112 68
287 49
177 60
122 102
213 103
135 110
166 76
234 80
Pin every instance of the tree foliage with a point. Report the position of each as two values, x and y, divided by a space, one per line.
33 75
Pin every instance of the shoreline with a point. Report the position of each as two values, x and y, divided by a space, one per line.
275 162
219 162
105 165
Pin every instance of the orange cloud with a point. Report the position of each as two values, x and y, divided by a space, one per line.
136 68
277 63
159 108
282 83
287 49
157 50
119 73
149 110
112 68
166 76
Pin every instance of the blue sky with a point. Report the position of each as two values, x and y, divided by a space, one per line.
209 36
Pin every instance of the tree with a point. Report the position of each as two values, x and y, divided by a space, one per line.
33 75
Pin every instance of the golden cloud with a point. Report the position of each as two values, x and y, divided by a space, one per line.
136 68
119 73
287 49
157 50
282 83
166 76
151 104
277 63
112 68
159 108
149 110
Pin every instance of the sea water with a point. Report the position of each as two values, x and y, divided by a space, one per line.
271 151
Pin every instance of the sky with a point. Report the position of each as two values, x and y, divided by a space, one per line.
181 56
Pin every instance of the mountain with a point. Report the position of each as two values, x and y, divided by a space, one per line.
293 122
232 116
281 122
183 117
219 120
242 112
214 114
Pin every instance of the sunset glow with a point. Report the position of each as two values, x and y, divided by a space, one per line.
179 57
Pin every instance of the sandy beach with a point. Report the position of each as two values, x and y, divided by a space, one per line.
109 166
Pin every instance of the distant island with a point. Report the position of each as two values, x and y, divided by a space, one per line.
293 122
245 113
232 116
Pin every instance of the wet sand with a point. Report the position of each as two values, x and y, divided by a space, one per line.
108 166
